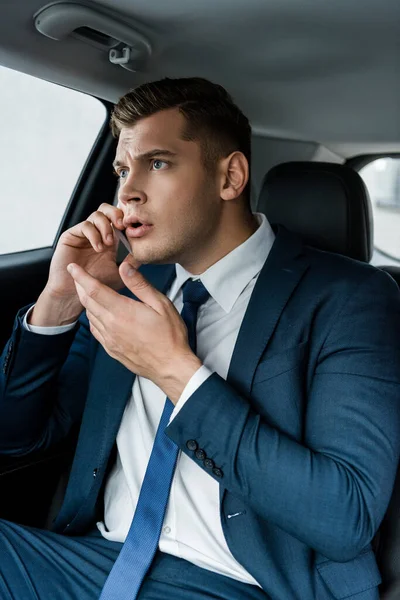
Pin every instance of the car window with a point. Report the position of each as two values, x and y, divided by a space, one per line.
46 135
382 178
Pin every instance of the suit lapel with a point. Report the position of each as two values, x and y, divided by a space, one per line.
281 273
278 279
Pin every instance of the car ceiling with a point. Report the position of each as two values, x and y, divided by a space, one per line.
304 70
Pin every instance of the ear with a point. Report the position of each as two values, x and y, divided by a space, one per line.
234 175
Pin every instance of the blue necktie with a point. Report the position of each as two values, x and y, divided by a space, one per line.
137 553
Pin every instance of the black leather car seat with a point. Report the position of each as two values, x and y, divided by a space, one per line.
326 203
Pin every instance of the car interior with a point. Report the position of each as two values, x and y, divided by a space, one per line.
320 83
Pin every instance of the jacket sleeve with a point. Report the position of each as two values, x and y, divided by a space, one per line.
43 386
330 491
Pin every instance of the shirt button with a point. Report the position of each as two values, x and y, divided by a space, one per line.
191 445
167 529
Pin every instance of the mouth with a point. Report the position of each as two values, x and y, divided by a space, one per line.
136 228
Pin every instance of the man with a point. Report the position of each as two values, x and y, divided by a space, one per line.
254 437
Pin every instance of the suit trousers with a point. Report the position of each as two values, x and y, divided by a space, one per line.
37 564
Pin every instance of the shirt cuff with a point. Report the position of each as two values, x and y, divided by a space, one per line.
45 330
192 385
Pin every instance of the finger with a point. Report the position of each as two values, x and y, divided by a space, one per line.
113 214
139 285
94 295
96 333
95 322
131 261
87 302
85 232
90 231
103 225
81 293
95 309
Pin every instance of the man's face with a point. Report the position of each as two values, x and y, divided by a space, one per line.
163 183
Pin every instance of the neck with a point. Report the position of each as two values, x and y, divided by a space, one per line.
234 231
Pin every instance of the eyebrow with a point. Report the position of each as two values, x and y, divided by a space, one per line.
148 156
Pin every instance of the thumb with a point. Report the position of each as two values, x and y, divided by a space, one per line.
139 285
131 261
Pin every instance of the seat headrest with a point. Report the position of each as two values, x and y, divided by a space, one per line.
327 204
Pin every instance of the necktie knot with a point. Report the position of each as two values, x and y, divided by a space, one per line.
194 292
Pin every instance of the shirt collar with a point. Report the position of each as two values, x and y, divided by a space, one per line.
226 279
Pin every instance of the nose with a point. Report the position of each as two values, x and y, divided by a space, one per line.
134 197
129 193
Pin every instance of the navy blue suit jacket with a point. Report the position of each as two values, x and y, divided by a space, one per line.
305 432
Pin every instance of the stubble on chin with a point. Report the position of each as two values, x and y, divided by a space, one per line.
182 246
155 255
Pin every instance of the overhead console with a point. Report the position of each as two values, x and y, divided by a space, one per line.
125 46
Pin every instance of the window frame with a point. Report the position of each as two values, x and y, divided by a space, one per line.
362 160
359 162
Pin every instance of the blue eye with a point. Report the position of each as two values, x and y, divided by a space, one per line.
123 174
158 164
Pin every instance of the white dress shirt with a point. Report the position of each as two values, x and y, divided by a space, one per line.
192 527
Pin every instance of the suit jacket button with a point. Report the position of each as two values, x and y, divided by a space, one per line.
192 445
217 472
209 463
200 454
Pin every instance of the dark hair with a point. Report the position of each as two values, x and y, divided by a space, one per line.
211 115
